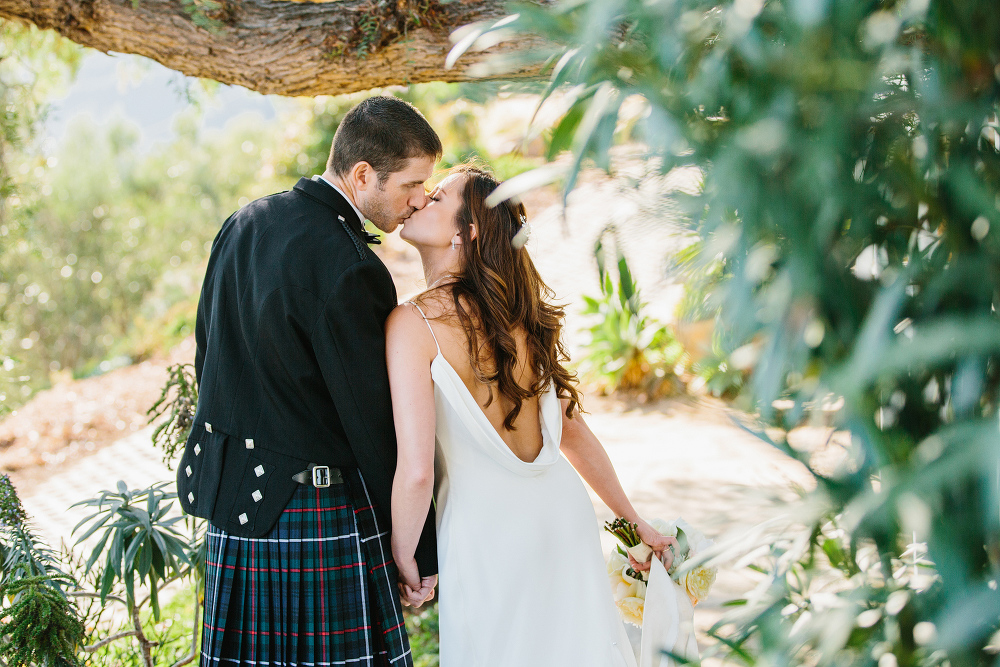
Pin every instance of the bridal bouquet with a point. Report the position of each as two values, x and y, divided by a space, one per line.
629 586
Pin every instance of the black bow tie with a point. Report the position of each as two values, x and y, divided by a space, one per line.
371 239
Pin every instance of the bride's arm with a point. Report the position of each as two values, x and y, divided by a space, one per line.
409 352
586 453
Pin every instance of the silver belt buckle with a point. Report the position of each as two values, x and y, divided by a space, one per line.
321 476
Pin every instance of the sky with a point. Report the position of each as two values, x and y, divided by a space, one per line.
146 93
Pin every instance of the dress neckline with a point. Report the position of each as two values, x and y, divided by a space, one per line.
549 435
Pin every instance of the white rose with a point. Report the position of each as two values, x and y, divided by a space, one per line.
691 534
622 591
616 581
666 528
698 582
616 561
702 546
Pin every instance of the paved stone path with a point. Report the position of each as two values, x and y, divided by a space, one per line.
47 499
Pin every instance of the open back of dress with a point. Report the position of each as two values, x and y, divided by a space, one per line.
522 577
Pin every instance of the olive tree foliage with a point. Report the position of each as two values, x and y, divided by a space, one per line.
849 151
33 66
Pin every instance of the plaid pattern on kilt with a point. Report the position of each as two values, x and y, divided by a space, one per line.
319 589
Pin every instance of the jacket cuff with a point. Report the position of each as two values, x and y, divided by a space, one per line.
426 554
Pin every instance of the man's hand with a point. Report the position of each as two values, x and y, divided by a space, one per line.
660 544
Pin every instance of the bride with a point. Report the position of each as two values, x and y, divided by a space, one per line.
485 412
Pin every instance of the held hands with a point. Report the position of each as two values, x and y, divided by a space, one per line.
414 598
660 544
414 590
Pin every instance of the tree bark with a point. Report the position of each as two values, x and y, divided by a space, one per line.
274 46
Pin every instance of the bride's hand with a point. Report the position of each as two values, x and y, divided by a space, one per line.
660 544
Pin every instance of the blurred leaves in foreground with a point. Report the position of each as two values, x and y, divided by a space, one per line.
851 195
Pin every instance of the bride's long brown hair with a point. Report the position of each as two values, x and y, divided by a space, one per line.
500 292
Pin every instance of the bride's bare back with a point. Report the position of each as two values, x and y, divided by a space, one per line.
525 440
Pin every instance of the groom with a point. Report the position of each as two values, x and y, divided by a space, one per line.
293 451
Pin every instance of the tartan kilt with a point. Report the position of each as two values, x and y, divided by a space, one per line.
318 589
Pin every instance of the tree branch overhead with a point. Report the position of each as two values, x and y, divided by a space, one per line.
274 46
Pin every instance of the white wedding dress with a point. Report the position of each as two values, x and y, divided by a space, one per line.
522 575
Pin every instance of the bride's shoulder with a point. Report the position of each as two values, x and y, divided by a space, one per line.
405 329
405 315
434 305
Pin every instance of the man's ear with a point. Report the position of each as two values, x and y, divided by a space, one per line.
473 232
362 175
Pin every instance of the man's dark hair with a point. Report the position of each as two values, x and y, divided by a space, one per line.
384 132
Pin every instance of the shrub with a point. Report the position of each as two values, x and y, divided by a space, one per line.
628 350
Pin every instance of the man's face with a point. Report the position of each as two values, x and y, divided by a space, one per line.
390 203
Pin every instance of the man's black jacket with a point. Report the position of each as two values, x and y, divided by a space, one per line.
290 363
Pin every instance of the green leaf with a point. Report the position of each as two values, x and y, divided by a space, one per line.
626 286
97 551
562 136
116 552
154 599
145 560
93 529
834 553
937 342
136 541
107 582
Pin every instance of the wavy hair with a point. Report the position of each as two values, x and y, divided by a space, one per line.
499 292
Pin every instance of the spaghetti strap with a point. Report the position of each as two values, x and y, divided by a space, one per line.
420 310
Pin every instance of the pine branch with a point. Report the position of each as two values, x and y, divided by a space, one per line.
41 626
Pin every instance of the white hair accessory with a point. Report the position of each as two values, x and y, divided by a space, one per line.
522 236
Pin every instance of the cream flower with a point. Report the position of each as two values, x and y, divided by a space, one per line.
639 578
616 561
698 582
615 579
631 609
626 586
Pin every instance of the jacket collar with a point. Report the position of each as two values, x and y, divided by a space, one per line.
327 195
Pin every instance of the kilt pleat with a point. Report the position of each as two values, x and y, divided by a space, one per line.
319 589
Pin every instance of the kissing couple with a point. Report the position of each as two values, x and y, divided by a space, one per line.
348 450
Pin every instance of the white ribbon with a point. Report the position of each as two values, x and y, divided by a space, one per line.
667 621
